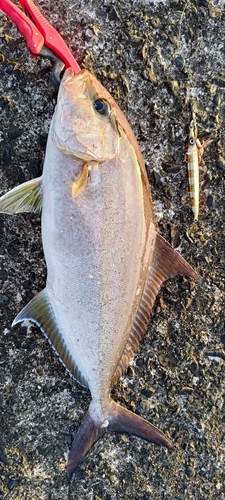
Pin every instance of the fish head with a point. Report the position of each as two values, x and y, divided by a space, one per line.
84 124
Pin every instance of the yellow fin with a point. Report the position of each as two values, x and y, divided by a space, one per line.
26 197
81 181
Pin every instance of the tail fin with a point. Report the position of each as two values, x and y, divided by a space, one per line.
119 420
87 435
127 422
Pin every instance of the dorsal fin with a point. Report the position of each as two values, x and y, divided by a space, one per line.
40 311
165 264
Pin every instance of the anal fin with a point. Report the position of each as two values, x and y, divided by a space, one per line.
26 197
165 263
40 311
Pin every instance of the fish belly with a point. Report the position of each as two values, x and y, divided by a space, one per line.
97 253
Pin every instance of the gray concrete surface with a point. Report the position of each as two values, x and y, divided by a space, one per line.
158 59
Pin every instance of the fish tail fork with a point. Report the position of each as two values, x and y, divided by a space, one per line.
119 420
127 422
87 434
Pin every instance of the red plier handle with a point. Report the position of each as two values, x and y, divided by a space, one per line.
42 39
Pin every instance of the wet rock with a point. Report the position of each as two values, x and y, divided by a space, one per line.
173 87
157 179
14 133
211 202
190 471
194 368
179 62
219 181
9 69
42 139
155 22
148 393
149 73
221 163
2 373
4 300
6 157
3 458
3 274
13 483
222 338
218 98
204 3
186 390
215 12
215 354
171 168
113 13
34 168
169 191
174 236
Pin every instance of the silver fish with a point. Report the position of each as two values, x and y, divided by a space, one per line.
105 259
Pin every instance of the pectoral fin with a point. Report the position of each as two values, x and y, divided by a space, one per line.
81 181
26 197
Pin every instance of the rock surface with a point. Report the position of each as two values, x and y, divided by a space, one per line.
159 60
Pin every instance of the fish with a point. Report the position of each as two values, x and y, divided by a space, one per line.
105 258
194 155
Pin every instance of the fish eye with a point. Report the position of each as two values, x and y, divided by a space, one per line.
191 141
101 107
